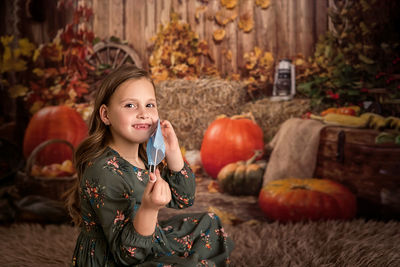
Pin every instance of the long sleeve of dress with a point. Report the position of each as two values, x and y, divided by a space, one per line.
111 197
183 187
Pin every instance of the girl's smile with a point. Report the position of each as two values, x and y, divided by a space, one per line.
142 126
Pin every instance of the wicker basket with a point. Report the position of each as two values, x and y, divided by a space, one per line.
50 187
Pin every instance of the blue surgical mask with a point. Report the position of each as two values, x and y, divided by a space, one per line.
155 148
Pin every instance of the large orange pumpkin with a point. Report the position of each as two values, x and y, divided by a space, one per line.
295 199
54 122
229 140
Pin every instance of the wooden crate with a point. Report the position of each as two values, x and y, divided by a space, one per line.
372 171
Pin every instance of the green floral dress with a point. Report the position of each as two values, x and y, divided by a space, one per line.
111 193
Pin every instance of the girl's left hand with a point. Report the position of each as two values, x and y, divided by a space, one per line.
170 139
173 152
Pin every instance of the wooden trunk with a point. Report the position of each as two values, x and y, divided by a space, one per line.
372 171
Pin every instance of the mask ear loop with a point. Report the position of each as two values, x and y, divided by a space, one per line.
154 166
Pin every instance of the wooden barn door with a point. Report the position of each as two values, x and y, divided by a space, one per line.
284 27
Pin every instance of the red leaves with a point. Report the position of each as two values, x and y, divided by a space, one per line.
332 95
62 63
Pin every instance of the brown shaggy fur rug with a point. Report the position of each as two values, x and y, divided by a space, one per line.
328 243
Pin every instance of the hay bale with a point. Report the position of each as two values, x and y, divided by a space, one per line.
270 115
191 105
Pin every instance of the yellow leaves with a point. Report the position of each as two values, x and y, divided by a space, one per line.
17 90
246 22
229 4
213 187
259 69
37 105
192 60
159 74
223 16
177 52
6 40
267 60
225 217
252 58
299 62
26 47
14 59
228 55
263 3
180 69
219 35
199 11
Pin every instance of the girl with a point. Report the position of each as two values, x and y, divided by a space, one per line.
116 201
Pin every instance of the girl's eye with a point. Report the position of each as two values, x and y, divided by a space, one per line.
130 105
151 105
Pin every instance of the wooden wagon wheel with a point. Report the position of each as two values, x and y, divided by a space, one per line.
112 55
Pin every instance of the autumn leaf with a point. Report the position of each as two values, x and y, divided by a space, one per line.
223 17
26 47
228 55
17 90
6 40
263 3
246 22
213 187
200 10
219 35
229 3
192 60
235 77
267 59
37 105
225 217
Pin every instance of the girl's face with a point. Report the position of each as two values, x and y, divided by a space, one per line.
131 112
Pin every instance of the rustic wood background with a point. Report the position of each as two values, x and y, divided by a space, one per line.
285 28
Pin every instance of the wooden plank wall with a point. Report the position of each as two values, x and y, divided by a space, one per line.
285 28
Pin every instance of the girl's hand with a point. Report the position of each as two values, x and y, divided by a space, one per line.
173 152
157 193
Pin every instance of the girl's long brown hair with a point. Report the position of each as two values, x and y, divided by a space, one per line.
96 143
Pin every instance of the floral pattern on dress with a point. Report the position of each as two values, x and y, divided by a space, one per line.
119 220
206 238
131 251
205 263
95 193
187 202
186 241
116 166
185 173
191 219
88 221
140 172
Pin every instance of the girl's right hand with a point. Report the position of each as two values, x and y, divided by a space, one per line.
157 193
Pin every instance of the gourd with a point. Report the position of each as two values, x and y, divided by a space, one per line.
243 177
54 122
228 140
295 199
